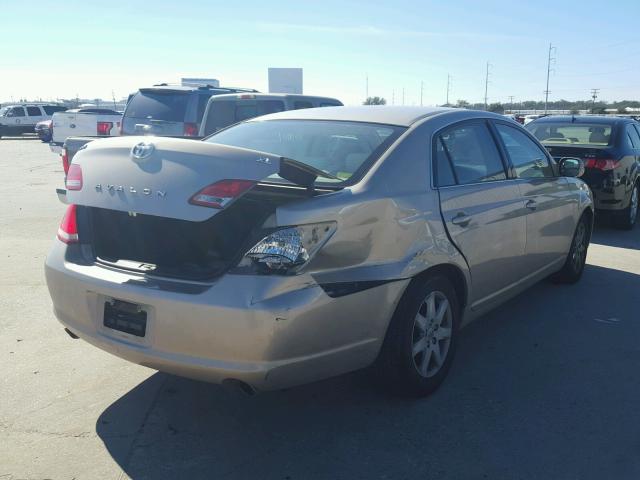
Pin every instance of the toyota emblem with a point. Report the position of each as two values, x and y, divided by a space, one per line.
142 150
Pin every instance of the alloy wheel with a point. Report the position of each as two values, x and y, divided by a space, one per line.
432 330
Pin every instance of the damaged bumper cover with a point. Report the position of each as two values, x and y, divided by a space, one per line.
267 331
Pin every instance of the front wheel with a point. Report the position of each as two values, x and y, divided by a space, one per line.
629 215
420 343
577 256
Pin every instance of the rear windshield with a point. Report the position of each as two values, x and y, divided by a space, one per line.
341 149
227 112
169 106
571 133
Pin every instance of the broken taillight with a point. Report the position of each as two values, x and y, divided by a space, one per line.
104 128
219 194
68 230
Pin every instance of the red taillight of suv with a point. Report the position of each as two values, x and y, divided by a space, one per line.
190 130
65 160
219 194
68 230
74 177
104 128
603 164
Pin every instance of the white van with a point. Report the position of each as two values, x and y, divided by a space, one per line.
225 110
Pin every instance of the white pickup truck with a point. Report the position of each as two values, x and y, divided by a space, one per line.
85 122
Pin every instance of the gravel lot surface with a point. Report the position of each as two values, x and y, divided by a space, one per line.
544 387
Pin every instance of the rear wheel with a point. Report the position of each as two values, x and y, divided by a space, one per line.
629 215
577 257
421 339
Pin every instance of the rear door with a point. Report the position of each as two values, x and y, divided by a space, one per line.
35 115
550 205
481 208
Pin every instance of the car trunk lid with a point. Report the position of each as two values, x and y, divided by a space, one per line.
163 176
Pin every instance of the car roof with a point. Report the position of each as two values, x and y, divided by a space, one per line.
591 119
384 114
261 96
203 88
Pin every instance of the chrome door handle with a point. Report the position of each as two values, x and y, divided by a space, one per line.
531 204
461 219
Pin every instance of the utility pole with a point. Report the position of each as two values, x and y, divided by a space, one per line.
393 96
402 95
113 97
366 86
594 96
448 88
486 87
550 59
421 91
510 103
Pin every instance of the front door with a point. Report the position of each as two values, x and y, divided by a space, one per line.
482 209
551 206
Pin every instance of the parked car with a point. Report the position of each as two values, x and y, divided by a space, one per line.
170 110
43 130
19 119
610 149
309 243
225 110
89 121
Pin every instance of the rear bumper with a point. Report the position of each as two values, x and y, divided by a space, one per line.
267 331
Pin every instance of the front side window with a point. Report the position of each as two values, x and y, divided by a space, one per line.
341 149
471 153
527 158
33 111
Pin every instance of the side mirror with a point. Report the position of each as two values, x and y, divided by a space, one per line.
571 167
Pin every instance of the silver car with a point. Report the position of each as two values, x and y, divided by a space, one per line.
310 243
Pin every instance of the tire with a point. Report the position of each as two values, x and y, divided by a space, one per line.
577 257
627 218
408 363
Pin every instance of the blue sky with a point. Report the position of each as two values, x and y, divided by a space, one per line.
60 49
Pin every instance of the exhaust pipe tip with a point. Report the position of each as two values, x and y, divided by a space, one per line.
71 334
238 385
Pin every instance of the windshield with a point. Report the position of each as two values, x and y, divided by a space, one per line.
169 106
3 111
342 149
572 133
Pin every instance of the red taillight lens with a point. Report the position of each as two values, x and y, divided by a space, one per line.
190 130
104 128
65 160
74 177
68 230
601 163
219 194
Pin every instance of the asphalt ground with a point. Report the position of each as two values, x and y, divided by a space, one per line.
545 387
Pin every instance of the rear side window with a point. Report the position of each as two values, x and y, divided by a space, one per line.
224 113
634 138
170 106
34 111
300 104
51 109
471 153
527 158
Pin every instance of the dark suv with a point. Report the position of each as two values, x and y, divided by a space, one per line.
610 149
169 110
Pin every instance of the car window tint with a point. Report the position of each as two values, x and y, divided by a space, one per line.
17 112
169 106
51 109
33 111
527 158
634 138
473 153
444 173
